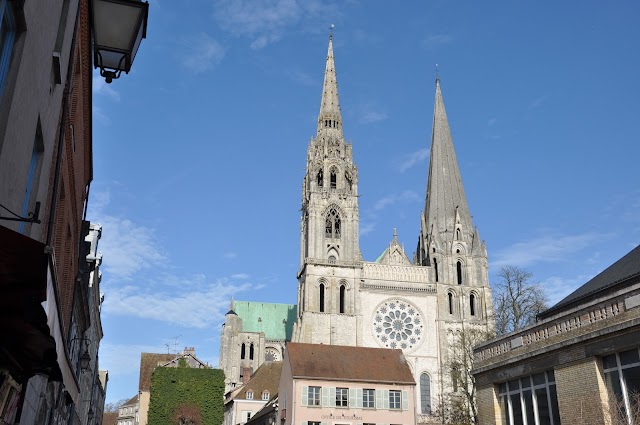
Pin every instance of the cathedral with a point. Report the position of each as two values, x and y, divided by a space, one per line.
416 304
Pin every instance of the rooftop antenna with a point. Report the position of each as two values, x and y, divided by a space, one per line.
174 343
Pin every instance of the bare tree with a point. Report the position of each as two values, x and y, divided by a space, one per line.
516 299
115 405
459 406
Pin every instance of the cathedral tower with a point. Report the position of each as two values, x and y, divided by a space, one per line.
329 248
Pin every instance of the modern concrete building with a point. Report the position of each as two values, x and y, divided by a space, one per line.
420 302
579 364
340 384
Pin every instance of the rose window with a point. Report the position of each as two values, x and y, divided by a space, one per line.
398 324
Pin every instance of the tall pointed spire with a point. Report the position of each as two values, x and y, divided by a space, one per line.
329 117
446 206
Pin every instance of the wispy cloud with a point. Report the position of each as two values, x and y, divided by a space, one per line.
538 101
266 21
123 359
556 288
201 53
130 247
369 113
492 121
300 77
197 305
407 195
546 249
367 227
435 41
230 255
101 88
414 158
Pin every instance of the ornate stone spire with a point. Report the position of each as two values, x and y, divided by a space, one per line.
329 118
446 206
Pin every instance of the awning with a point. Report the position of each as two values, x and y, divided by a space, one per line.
26 344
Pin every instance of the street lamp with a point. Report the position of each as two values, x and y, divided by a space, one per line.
118 27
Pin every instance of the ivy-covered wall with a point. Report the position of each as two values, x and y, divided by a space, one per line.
178 390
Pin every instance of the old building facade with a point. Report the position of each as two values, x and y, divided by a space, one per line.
50 297
417 304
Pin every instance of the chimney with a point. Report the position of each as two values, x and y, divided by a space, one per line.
246 374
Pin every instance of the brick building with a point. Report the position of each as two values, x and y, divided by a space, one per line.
49 263
579 364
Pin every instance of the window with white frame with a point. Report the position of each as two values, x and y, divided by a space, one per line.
622 377
368 398
342 397
313 396
265 395
249 395
530 400
395 399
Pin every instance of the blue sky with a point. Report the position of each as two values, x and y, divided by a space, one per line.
199 152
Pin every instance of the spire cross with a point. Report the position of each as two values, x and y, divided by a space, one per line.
331 27
437 76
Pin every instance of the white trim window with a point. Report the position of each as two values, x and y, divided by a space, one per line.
530 400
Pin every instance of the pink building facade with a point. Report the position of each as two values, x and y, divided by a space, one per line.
327 385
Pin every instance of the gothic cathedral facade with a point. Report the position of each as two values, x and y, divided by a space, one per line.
414 304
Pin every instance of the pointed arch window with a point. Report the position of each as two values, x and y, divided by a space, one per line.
347 178
458 234
333 178
343 293
459 272
322 298
243 351
251 352
425 394
320 178
332 224
450 297
472 304
435 267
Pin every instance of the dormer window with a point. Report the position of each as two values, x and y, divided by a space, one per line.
249 395
265 395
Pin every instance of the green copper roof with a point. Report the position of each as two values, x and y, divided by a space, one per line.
275 320
381 255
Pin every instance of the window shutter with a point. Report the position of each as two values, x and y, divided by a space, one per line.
379 402
385 399
352 397
305 395
359 398
325 396
332 397
405 400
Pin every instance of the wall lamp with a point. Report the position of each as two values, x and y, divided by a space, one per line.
85 357
118 27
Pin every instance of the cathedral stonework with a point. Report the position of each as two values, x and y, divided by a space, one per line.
416 304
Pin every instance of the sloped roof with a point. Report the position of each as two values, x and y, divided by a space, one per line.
109 418
148 362
132 401
275 320
628 267
342 363
266 377
268 409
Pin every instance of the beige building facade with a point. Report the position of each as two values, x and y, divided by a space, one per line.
579 364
